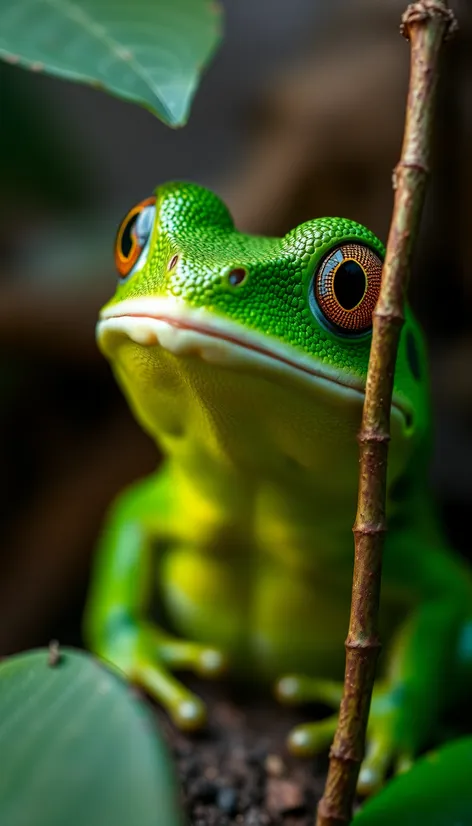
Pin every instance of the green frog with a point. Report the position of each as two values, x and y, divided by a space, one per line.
245 360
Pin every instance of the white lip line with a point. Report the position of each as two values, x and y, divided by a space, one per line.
212 333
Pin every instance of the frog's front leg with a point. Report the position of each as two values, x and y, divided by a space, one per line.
406 703
117 626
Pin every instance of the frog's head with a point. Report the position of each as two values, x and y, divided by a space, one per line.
295 312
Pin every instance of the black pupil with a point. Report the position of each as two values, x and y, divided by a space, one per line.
127 238
349 284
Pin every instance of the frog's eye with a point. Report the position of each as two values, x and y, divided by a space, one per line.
133 235
346 287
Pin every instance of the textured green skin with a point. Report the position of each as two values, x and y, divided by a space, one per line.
196 224
247 523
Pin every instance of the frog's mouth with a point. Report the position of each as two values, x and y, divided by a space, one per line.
186 331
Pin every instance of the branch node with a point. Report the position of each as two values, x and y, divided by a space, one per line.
343 755
394 318
417 166
421 12
368 529
373 437
372 644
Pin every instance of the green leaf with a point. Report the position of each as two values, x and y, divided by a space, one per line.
435 792
147 51
78 748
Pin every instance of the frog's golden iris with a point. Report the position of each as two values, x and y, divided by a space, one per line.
347 287
129 242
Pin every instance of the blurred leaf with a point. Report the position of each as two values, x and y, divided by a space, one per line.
435 792
78 748
147 52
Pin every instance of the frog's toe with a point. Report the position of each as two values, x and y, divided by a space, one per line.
203 660
374 767
381 757
390 744
295 689
312 738
187 711
404 763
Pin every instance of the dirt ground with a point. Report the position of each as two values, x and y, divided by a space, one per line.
238 770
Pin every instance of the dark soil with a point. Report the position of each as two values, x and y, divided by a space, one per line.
238 770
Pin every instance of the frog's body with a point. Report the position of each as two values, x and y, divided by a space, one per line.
255 399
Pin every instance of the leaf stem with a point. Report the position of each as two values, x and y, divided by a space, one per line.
425 24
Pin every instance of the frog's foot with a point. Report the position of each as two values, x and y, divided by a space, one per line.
295 689
384 750
147 655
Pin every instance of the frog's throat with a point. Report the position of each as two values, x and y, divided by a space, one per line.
187 331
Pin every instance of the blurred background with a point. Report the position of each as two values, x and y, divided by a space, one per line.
299 115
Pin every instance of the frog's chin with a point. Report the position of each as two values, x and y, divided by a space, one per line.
195 332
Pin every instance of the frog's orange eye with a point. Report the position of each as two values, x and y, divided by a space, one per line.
133 235
347 286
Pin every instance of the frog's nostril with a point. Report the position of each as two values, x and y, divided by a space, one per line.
237 276
172 263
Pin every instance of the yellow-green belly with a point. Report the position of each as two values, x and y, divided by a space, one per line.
269 619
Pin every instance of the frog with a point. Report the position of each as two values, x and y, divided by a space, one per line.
244 358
